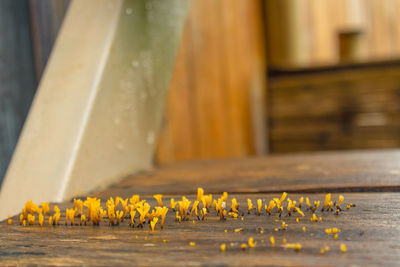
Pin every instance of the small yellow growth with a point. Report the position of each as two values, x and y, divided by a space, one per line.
327 248
200 193
83 219
297 220
164 211
225 230
270 207
164 240
21 218
335 236
235 206
153 224
251 242
223 247
259 206
45 207
233 215
295 246
320 219
272 240
242 218
322 251
194 222
158 197
41 219
238 230
192 244
284 241
24 223
70 214
341 198
172 204
304 229
314 218
250 206
178 217
31 219
284 225
301 201
276 229
284 194
243 246
145 238
50 220
9 221
343 248
327 200
299 211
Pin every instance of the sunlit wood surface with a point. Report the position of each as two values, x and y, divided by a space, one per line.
369 230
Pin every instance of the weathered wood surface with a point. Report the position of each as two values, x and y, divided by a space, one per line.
370 232
350 106
333 171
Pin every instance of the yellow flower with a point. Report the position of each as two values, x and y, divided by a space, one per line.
272 240
9 221
153 224
45 207
158 197
223 247
192 244
251 242
200 193
343 248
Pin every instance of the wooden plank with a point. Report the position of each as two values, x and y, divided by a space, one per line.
369 231
215 106
350 171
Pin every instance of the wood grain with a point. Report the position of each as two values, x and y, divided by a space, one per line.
369 231
219 77
312 172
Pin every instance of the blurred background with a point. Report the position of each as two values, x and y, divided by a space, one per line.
251 77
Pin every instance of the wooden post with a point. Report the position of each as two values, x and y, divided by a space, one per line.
100 102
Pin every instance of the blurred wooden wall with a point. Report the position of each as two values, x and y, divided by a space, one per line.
216 101
305 32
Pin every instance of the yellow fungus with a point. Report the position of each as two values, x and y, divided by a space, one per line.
165 240
276 229
238 230
284 225
335 236
41 219
45 207
200 193
322 251
225 230
192 244
284 241
24 222
158 197
327 248
153 224
251 242
314 218
272 240
343 248
259 205
250 206
295 246
223 247
9 221
304 229
297 220
243 246
172 204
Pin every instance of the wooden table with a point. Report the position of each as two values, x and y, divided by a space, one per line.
371 230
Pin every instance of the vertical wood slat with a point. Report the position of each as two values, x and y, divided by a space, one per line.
17 75
219 71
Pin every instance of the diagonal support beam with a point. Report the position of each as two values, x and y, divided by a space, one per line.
99 105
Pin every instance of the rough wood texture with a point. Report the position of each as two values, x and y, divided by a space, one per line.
215 106
313 172
370 232
344 107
